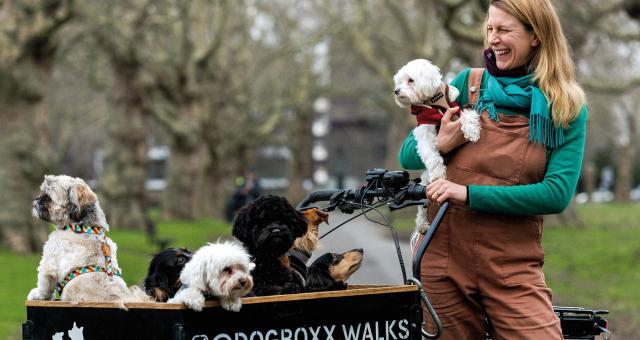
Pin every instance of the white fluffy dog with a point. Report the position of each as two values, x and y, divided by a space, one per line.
78 260
217 269
419 85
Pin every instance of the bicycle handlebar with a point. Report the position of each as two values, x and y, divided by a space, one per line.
317 196
394 186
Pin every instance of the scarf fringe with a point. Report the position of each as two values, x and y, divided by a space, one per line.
542 130
541 127
486 103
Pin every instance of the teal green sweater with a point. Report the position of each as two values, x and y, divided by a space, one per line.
550 196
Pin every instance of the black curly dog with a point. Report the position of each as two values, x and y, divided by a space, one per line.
268 227
163 280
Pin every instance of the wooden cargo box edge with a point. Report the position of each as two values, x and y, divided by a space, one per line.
354 290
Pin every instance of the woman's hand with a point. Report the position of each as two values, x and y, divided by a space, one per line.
450 135
441 190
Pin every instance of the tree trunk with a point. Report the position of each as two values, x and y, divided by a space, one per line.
624 171
27 157
626 161
589 178
183 194
210 190
125 163
301 167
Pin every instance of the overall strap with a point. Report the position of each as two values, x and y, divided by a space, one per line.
475 80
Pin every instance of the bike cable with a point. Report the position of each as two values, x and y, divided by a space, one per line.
394 236
375 206
380 203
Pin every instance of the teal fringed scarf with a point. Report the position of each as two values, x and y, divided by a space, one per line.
521 93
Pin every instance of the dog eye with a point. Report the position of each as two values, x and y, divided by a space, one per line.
43 198
410 80
181 259
227 270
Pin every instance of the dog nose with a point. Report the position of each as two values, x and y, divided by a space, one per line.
275 230
397 92
360 250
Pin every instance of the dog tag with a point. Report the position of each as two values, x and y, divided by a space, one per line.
473 89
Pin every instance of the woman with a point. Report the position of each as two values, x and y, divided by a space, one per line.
486 258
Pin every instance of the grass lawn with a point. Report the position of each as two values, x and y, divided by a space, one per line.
596 266
134 254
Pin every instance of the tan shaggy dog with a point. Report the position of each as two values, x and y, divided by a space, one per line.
78 260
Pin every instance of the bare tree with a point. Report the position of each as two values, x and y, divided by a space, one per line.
198 88
294 82
613 42
118 32
30 37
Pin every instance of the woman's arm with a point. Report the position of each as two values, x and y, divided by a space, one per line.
550 196
408 157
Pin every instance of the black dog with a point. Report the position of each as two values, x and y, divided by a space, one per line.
268 227
163 279
331 270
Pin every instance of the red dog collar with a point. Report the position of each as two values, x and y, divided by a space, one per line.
426 114
433 109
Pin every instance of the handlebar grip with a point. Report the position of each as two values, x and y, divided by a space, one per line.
317 196
417 192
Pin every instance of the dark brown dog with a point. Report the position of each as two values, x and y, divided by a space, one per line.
163 279
332 270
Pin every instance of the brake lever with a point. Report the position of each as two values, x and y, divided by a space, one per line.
399 201
395 206
337 200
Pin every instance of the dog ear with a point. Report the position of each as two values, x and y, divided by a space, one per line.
319 276
427 76
76 214
80 197
299 223
194 274
241 228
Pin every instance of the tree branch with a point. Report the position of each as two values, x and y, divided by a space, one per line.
608 87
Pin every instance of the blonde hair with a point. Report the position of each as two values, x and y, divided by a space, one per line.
554 70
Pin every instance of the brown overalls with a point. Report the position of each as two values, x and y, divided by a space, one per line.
489 264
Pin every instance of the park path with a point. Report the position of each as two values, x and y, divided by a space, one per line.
380 265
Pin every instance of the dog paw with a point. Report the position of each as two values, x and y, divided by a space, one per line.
470 125
233 305
35 294
195 303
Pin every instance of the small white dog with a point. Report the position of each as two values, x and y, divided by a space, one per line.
217 269
78 260
419 85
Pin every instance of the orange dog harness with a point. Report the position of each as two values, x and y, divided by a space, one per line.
106 251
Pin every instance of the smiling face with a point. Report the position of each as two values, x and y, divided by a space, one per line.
512 43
